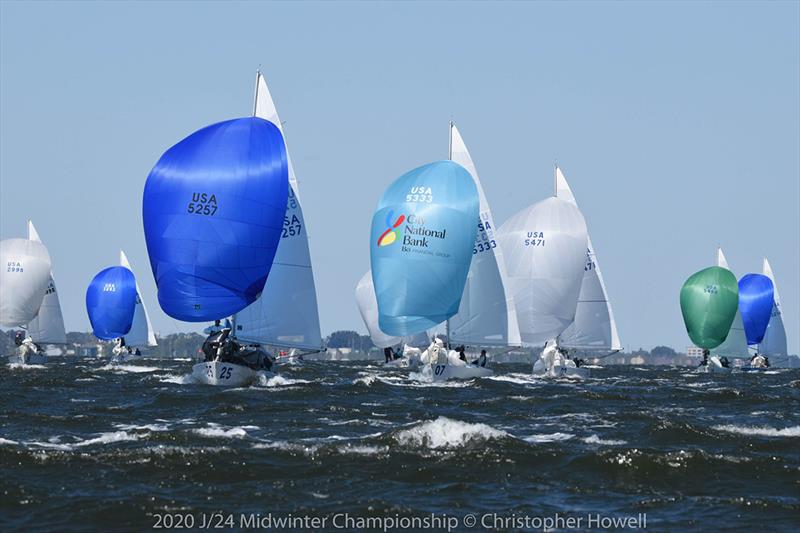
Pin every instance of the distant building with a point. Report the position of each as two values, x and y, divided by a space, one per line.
694 351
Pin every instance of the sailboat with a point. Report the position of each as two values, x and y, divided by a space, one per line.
29 296
545 246
285 315
594 330
756 300
487 316
213 211
709 301
48 325
735 344
140 334
421 247
774 343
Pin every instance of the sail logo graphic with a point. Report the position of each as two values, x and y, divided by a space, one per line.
390 235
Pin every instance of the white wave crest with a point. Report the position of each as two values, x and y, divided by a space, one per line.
278 381
135 369
444 433
760 431
178 380
217 431
548 437
6 441
594 439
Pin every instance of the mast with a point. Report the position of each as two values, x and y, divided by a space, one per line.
450 157
255 92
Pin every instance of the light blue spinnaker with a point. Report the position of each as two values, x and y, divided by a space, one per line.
421 242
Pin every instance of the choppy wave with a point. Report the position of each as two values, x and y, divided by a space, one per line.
447 433
760 431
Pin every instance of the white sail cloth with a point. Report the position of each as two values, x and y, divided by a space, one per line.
24 279
487 314
286 313
48 325
774 342
545 248
368 308
594 327
141 332
735 344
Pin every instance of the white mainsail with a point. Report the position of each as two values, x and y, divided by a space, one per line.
594 327
774 342
286 313
368 307
545 247
735 345
24 278
48 325
141 332
487 315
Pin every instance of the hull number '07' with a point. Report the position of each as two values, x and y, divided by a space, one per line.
439 370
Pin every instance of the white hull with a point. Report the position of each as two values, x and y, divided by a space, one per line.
448 372
714 366
30 359
124 358
560 371
755 369
404 362
223 374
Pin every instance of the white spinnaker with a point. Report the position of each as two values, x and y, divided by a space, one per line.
774 342
48 325
286 313
24 278
594 327
735 344
487 315
368 307
545 251
141 332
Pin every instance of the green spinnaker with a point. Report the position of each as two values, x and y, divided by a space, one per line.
709 300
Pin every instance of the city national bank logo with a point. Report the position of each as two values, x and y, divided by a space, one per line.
391 233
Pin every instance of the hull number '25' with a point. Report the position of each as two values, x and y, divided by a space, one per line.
224 372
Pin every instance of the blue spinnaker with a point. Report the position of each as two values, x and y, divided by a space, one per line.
111 302
421 246
213 211
756 295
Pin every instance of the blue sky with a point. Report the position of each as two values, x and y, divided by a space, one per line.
676 124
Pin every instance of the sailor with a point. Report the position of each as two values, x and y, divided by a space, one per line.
212 330
461 354
119 347
724 362
26 345
388 354
704 362
481 360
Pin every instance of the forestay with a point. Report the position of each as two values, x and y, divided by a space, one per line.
545 247
286 313
594 327
487 316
